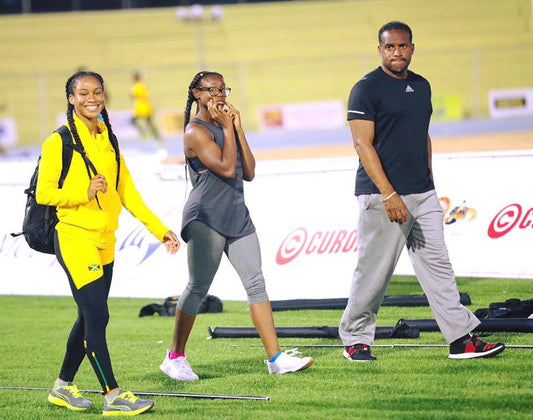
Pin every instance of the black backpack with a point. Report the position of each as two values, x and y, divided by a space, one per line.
511 308
210 304
40 220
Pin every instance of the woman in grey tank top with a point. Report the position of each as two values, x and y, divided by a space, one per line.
216 221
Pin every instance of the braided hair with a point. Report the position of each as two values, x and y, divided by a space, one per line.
190 97
69 90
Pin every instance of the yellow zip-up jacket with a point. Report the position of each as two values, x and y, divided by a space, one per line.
74 210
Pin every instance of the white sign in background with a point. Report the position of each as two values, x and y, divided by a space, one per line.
303 116
306 219
511 103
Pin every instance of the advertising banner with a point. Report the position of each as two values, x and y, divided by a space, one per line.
303 116
306 215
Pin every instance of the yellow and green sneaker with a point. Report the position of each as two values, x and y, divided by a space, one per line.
124 403
68 396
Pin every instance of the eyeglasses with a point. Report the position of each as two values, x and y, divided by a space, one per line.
213 91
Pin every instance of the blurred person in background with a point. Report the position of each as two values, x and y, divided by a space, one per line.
88 208
143 110
216 221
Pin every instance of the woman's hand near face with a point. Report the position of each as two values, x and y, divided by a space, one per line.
235 115
216 110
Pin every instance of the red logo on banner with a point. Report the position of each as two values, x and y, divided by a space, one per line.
320 242
508 218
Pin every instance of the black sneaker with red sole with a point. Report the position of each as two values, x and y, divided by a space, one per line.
470 347
358 353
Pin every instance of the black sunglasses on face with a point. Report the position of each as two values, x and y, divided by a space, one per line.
213 91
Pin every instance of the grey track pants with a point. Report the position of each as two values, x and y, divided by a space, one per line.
204 253
380 245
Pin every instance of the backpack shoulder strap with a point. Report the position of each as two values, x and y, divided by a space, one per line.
68 141
68 149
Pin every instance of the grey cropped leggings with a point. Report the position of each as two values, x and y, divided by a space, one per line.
204 253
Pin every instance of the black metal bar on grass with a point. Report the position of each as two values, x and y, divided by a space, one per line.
340 303
400 330
522 325
318 346
154 393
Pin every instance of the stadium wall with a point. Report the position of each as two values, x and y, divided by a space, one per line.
270 53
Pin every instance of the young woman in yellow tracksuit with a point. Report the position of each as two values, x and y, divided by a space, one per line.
88 208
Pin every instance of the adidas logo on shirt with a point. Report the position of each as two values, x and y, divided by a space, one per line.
409 89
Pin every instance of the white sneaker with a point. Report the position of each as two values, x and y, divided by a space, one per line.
178 369
288 362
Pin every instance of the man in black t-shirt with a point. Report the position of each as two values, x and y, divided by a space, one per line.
389 111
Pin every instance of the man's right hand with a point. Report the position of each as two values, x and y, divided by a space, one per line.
396 210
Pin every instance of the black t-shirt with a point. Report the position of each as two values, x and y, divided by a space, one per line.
401 110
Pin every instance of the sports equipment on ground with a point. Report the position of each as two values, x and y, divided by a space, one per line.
340 303
390 346
400 330
153 393
523 325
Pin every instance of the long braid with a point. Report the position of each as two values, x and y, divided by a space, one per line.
77 140
72 126
190 97
114 142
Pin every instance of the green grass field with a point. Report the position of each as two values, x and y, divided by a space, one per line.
404 383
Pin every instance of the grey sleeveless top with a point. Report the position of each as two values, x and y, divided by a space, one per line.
216 201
